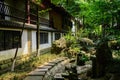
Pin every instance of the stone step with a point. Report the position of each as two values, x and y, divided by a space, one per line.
56 61
34 78
53 62
60 59
50 64
45 67
41 70
36 73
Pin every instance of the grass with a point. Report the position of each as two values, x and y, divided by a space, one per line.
22 70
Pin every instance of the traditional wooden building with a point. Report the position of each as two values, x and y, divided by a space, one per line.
22 15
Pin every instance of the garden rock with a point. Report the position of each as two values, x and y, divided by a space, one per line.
58 45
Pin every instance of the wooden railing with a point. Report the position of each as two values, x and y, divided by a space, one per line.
8 12
11 13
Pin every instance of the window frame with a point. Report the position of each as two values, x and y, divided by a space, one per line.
9 39
57 36
44 38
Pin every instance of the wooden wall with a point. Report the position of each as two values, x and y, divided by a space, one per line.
56 19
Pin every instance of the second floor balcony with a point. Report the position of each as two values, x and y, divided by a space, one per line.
11 13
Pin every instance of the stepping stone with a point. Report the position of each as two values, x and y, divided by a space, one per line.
50 64
41 70
55 61
45 67
58 59
34 78
36 73
61 59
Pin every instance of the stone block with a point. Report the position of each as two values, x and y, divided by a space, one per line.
34 78
50 64
55 61
45 67
36 73
59 60
41 70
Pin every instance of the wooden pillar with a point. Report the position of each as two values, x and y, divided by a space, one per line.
28 10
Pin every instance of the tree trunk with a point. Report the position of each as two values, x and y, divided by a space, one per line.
16 52
103 57
38 33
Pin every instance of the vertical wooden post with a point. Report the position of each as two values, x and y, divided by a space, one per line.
28 11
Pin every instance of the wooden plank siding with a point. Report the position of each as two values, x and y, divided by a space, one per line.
56 19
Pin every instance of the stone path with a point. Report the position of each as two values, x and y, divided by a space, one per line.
43 72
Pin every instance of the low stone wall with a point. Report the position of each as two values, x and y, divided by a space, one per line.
5 65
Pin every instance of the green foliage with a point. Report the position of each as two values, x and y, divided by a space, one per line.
77 42
84 57
72 6
94 12
43 11
38 1
72 47
101 12
69 36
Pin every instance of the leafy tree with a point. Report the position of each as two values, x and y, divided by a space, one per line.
101 12
72 6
